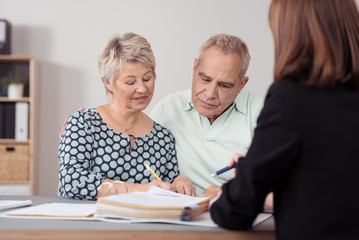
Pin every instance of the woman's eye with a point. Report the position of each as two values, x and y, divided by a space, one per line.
130 82
146 79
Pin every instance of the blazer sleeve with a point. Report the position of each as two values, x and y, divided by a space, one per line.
270 157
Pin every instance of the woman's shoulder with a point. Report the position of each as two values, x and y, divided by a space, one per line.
289 89
87 115
162 131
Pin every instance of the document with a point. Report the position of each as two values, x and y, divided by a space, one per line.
56 210
6 204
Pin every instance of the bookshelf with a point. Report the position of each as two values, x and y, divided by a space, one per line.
18 154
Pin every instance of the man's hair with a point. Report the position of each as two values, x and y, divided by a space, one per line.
318 38
119 50
228 44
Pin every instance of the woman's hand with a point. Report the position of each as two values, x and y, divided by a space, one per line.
146 186
268 203
110 187
184 185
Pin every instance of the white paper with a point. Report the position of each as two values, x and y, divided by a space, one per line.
6 204
56 210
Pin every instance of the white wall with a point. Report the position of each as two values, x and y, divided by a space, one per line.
65 37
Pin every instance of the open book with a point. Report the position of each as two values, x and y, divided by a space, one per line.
157 203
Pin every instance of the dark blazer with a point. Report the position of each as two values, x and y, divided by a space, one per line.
305 149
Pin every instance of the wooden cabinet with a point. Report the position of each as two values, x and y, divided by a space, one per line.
18 155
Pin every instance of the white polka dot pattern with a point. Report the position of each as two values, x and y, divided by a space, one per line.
90 151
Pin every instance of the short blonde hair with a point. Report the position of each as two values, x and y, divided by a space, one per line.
123 49
228 44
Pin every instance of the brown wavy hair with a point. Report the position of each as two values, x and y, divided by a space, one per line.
318 38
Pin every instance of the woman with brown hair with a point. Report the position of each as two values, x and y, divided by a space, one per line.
305 145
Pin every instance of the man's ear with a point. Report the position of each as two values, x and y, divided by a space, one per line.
243 83
194 66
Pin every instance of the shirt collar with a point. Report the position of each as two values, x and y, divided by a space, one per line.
240 102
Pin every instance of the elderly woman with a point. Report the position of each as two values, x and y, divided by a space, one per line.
110 144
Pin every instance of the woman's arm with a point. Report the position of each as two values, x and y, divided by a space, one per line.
76 159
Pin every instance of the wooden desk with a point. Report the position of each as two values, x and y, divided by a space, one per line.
17 228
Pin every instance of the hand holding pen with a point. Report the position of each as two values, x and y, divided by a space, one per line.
232 164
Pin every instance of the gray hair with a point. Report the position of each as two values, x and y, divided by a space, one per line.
119 50
228 44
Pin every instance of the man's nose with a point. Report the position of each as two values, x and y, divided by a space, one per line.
211 91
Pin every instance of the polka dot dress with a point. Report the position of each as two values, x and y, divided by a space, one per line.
90 151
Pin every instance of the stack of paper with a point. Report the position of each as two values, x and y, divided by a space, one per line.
157 203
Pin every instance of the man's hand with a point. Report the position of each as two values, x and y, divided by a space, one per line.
64 124
212 191
184 185
234 160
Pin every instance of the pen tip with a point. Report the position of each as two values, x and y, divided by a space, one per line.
213 174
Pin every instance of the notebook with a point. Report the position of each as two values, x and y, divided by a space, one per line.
157 203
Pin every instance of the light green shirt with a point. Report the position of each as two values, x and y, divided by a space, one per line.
203 148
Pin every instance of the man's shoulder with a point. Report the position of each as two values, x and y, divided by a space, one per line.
178 96
177 99
170 106
255 100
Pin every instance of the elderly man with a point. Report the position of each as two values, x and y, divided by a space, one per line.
216 118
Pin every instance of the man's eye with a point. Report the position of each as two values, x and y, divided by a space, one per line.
206 80
225 86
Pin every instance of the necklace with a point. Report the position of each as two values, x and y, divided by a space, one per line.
134 125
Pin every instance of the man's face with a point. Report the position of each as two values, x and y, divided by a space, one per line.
216 82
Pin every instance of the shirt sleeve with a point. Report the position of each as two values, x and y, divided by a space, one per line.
172 170
75 150
271 156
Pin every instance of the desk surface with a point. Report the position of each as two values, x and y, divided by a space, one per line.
17 228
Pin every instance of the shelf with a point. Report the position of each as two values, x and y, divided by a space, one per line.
14 58
14 182
13 141
18 157
6 99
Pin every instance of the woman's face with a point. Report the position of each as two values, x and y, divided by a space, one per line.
133 87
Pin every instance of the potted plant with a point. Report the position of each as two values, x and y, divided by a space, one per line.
14 83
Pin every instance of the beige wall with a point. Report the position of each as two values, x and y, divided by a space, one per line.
65 37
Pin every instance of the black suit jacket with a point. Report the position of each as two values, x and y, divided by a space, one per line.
305 149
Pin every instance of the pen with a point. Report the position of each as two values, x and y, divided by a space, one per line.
225 169
152 172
